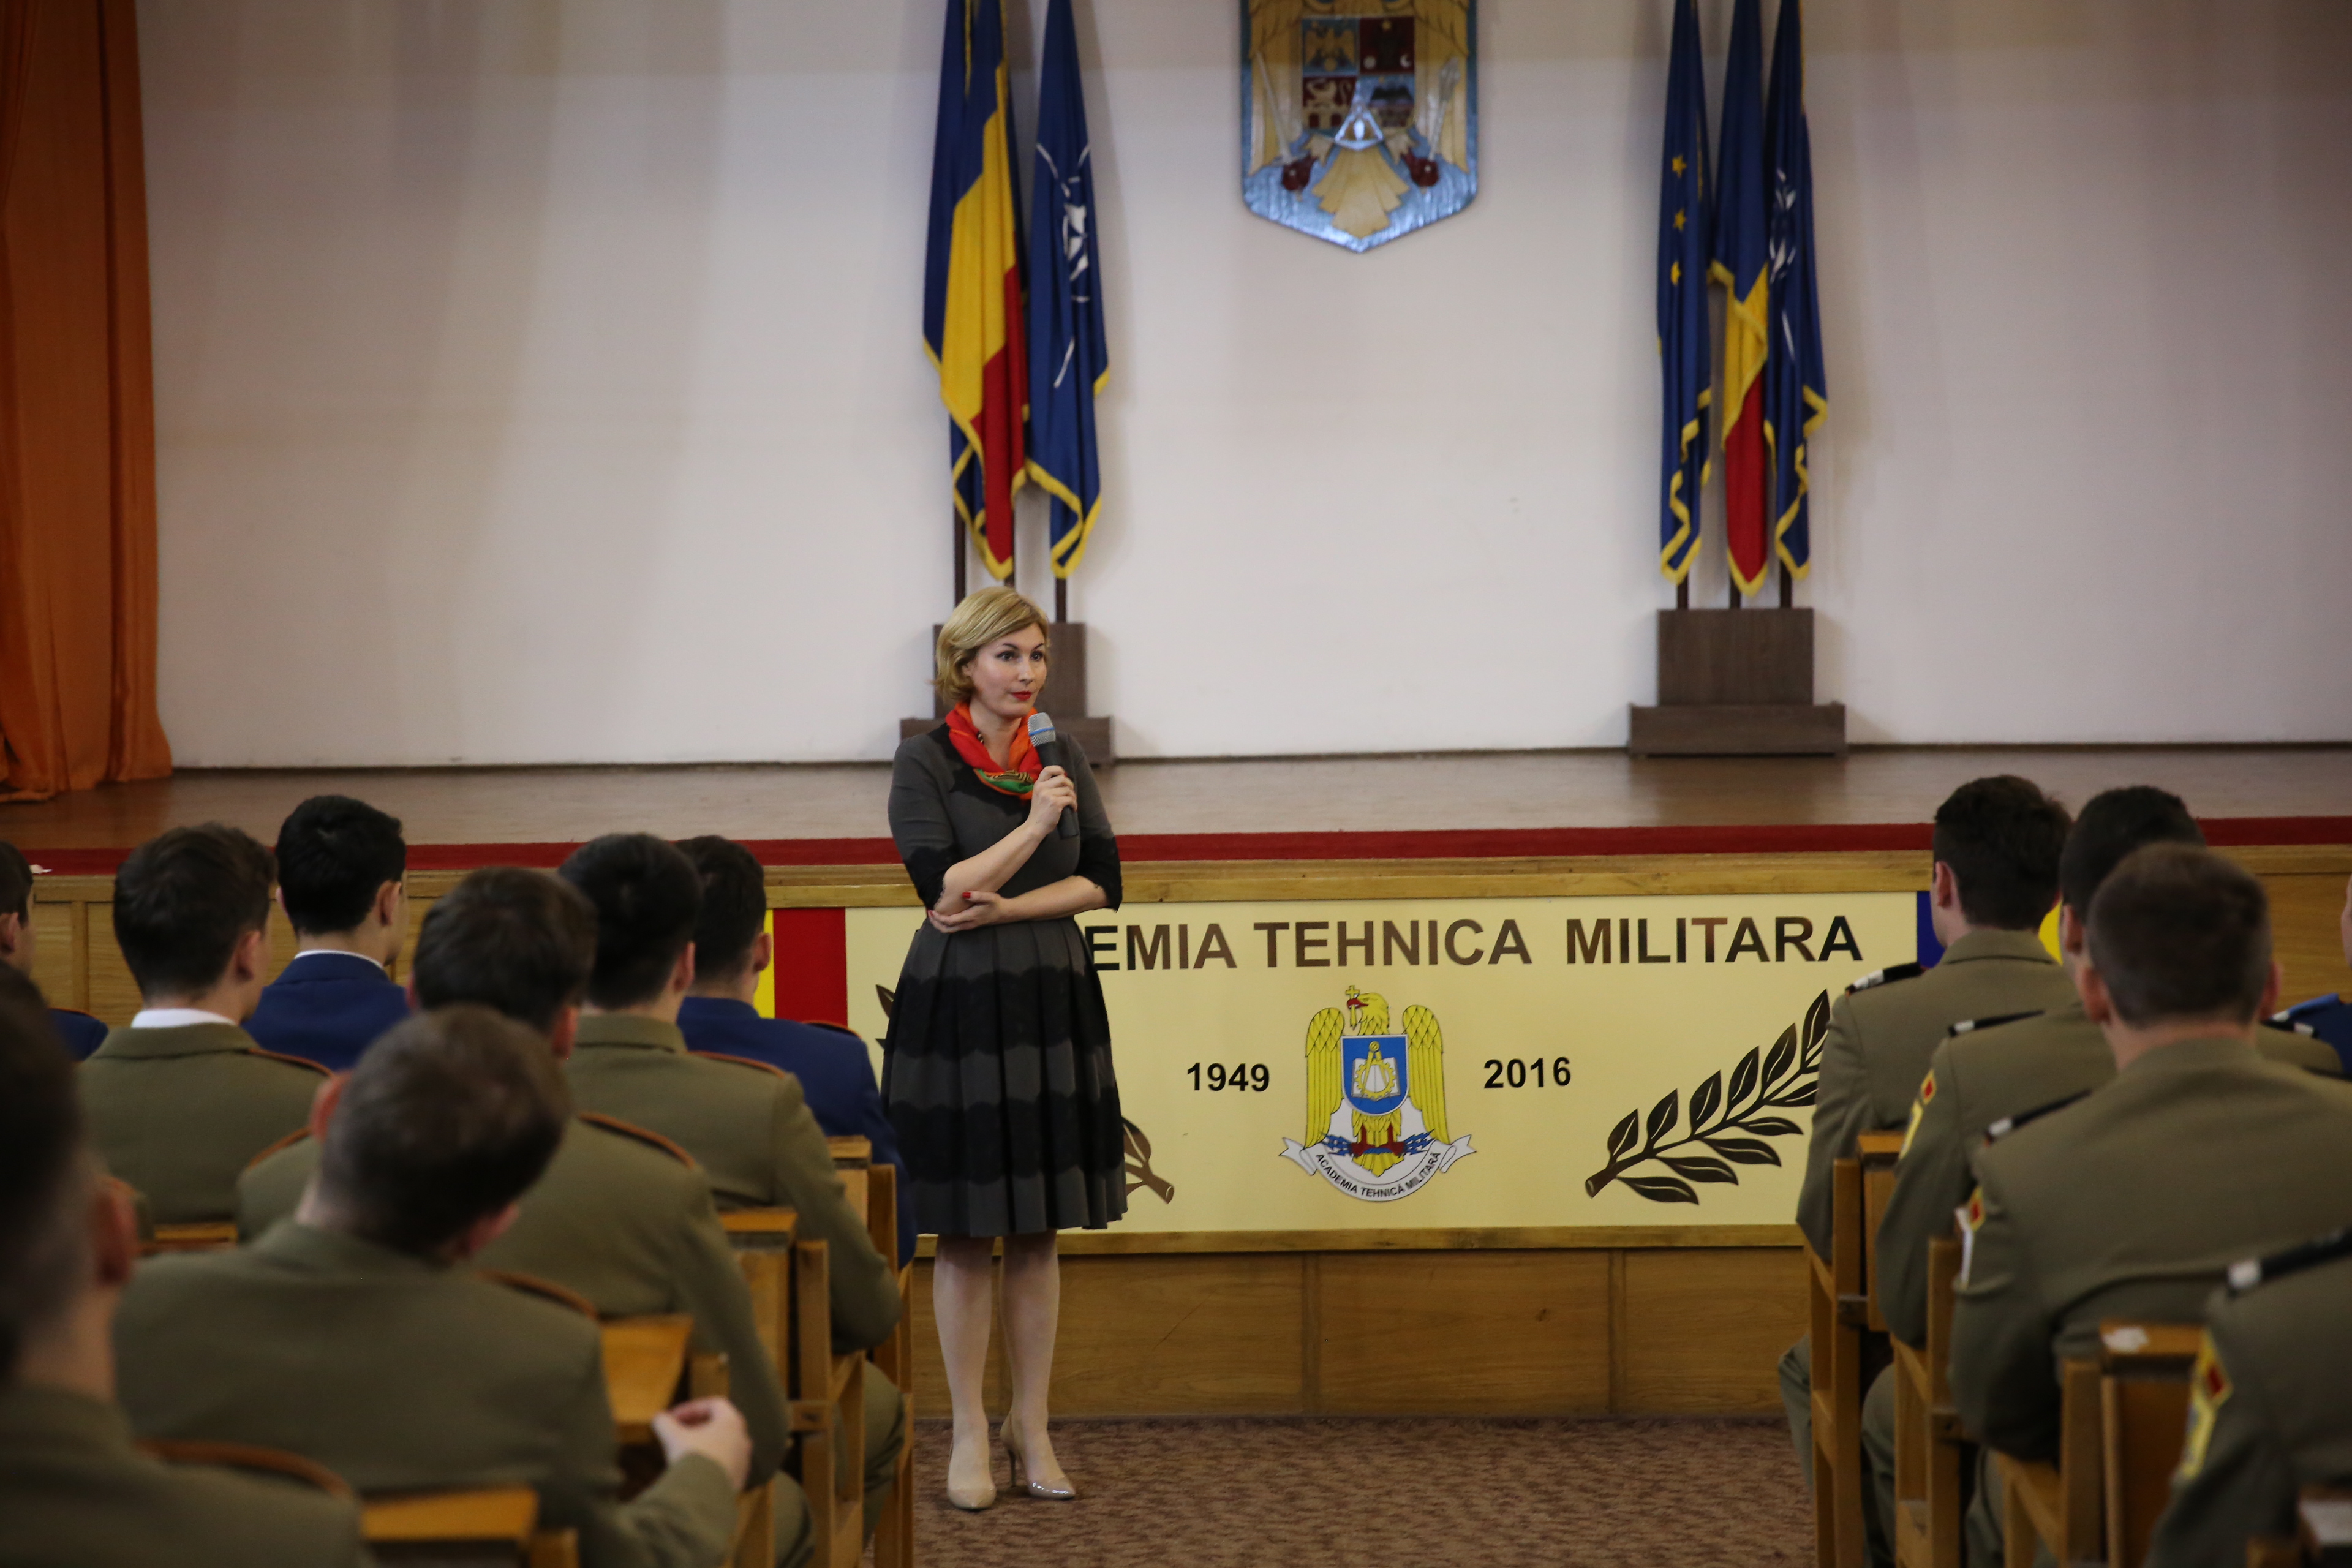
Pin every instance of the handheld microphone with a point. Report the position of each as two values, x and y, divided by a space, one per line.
1049 752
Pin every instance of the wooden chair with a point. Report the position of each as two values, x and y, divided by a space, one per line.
1848 1339
894 1358
2143 1409
2119 1427
1930 1451
646 1362
494 1525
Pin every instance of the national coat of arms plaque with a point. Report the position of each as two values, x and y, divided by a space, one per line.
1360 118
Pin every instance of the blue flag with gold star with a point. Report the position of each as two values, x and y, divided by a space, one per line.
1796 387
1685 356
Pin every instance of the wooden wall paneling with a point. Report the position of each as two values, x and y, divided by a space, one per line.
2305 910
113 995
57 967
1491 1333
1702 1328
1182 1336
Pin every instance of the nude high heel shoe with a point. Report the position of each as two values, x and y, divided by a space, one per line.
1024 1481
972 1499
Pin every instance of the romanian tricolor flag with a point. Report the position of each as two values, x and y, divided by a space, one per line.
1739 265
971 280
1796 388
1684 357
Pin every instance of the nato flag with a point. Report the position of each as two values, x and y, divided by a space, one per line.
1685 356
1796 389
1068 362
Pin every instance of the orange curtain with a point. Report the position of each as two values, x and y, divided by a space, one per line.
76 406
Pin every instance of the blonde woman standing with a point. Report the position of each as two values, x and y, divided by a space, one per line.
997 1070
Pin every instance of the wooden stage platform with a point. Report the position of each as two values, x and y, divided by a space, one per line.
1532 1320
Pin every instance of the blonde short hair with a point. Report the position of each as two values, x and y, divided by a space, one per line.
980 620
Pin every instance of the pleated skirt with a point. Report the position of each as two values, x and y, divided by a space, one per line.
997 1074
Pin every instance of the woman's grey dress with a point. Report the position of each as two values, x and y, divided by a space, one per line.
997 1070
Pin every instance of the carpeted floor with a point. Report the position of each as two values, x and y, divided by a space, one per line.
1589 1494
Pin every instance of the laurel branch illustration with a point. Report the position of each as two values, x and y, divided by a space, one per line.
1732 1126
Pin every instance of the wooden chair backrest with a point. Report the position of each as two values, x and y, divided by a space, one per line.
851 1152
645 1362
2143 1409
1878 1153
492 1525
2058 1505
829 1405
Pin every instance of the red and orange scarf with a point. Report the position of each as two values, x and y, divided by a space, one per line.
1017 777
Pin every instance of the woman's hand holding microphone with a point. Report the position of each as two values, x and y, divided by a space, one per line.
1051 794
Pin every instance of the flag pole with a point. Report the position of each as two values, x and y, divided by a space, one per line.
957 522
1061 601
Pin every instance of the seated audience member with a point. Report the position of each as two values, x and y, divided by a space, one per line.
619 1217
2133 1201
2329 1017
731 949
746 1124
341 865
181 1100
2270 1405
73 1491
81 1033
356 1335
1997 842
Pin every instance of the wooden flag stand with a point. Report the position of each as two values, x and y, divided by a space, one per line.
1736 683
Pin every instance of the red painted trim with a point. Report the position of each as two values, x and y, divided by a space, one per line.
1448 843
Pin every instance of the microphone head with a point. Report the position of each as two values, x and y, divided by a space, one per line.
1041 729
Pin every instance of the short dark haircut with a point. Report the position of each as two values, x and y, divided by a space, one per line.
452 1115
15 881
519 942
182 902
333 853
45 1175
648 900
2111 825
2181 934
734 904
2002 837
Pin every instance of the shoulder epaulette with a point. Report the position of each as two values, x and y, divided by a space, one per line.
645 1135
2287 1026
297 1061
2008 1124
297 1136
1970 1025
545 1289
2245 1275
2317 1005
755 1065
1886 976
836 1029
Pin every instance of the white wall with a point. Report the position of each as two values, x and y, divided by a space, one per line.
542 381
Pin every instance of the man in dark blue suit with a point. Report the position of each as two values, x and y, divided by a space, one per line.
732 949
341 866
81 1033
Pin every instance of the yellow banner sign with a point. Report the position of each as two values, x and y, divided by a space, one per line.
1461 1062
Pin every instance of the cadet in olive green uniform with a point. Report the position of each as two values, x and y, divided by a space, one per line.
73 1491
2133 1201
621 1216
1994 1071
180 1099
1997 843
748 1126
355 1334
2270 1405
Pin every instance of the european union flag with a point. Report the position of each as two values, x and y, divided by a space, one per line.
1796 388
1068 362
1685 361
